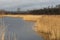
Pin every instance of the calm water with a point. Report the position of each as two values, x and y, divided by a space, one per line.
22 29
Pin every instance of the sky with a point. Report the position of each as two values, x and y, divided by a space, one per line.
27 4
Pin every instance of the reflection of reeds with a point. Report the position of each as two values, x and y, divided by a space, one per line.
3 28
14 35
3 36
9 36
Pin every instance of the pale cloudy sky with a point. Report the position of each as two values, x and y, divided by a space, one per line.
27 4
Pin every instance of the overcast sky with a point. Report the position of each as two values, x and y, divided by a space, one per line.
27 4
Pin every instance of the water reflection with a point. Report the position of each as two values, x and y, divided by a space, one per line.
21 28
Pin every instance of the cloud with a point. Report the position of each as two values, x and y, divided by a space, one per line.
26 3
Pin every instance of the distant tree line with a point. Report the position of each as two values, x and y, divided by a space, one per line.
47 11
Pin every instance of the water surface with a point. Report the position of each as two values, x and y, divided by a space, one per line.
22 29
